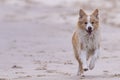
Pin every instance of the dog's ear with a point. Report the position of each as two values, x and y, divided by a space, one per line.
96 13
81 13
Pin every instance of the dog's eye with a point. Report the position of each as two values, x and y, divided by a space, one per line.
85 22
92 22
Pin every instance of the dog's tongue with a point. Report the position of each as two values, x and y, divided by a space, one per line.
89 32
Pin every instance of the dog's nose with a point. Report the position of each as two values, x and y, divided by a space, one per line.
89 28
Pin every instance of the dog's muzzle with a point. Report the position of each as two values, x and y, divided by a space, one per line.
89 30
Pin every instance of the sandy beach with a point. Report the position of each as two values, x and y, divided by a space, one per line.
35 40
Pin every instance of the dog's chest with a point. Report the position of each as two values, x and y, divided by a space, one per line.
89 42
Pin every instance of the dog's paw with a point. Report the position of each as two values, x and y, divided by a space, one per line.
92 63
91 66
85 69
82 76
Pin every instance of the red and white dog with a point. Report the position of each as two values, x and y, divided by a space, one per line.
86 41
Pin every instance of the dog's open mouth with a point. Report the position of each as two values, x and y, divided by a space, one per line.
89 31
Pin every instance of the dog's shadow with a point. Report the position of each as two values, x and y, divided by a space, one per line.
98 76
95 77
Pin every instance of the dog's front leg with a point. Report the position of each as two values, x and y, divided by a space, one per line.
83 57
94 58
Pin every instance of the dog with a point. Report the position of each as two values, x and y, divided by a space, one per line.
86 41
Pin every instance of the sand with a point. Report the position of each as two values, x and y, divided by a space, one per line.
35 41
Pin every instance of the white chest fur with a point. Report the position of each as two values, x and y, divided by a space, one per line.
89 42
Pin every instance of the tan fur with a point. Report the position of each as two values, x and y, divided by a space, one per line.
81 21
75 42
76 38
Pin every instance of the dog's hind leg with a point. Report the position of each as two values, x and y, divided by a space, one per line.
94 58
80 68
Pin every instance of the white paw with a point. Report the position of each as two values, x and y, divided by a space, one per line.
85 67
91 67
82 75
92 64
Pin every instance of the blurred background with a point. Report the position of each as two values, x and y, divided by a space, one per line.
35 39
16 10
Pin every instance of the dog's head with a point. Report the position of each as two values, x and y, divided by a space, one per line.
89 23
